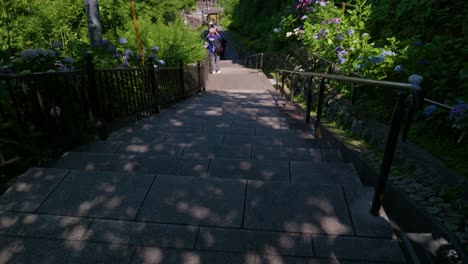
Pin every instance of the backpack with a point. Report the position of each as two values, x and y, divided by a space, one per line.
218 46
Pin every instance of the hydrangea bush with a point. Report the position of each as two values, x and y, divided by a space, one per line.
342 38
105 55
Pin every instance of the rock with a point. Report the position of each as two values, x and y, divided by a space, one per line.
446 206
435 200
416 197
407 181
433 210
451 226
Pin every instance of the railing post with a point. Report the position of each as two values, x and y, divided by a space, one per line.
282 84
309 99
320 108
256 62
261 62
93 96
199 77
293 84
353 99
154 85
181 78
409 117
387 159
2 112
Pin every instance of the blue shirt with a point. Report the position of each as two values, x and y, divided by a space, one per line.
211 40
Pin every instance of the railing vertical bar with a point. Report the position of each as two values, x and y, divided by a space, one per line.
14 102
292 88
406 128
122 87
320 108
181 79
113 96
135 92
389 151
144 76
309 98
283 79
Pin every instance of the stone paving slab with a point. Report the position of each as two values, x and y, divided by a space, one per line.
252 140
96 162
194 139
46 226
185 166
358 248
331 155
294 141
241 131
98 194
177 256
303 208
274 170
160 149
134 135
154 255
100 146
30 189
218 151
280 153
195 201
40 250
237 240
255 124
328 173
140 233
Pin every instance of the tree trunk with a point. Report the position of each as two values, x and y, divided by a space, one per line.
94 22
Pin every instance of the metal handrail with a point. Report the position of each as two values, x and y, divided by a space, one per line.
248 61
404 90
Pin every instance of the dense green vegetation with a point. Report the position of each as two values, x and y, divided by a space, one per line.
40 24
380 39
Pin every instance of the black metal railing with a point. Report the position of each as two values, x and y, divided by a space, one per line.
67 105
254 61
316 81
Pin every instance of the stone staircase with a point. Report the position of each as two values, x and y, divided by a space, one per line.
232 175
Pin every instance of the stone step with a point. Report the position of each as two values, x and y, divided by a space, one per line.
211 148
27 235
216 161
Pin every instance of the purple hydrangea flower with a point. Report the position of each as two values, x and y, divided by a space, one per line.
161 62
459 111
57 45
105 42
29 54
398 68
340 37
155 48
111 48
429 110
122 41
116 56
128 53
386 53
151 57
349 32
68 60
138 57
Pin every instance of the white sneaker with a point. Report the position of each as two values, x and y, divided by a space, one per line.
218 71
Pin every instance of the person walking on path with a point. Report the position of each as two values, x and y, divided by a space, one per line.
213 45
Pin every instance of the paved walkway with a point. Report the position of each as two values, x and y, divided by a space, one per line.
229 176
